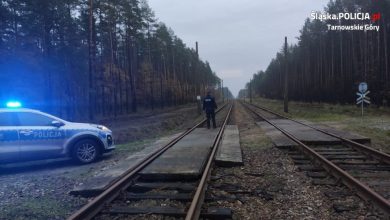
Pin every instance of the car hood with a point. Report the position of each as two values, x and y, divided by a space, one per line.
76 125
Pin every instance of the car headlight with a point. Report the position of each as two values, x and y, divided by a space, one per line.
103 128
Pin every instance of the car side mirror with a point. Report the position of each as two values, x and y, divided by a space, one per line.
57 124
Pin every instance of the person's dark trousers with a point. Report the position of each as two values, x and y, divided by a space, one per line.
211 115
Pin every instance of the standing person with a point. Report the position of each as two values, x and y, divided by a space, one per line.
209 107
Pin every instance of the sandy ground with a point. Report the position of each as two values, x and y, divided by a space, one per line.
147 125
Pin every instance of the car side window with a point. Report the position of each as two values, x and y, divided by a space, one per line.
33 119
8 119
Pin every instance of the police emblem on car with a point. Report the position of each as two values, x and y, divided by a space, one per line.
27 134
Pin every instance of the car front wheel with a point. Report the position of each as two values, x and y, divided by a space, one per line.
86 151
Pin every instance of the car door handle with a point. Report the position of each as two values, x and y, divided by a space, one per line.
26 132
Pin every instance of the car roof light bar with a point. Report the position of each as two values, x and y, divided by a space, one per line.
14 104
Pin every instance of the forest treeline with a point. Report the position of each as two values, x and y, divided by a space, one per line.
328 65
83 59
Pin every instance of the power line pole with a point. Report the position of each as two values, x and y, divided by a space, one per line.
250 91
196 49
220 87
223 93
196 66
285 77
198 96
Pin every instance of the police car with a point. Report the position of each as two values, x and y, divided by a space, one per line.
27 134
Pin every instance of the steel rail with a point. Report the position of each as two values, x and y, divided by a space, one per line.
193 212
357 146
89 210
361 189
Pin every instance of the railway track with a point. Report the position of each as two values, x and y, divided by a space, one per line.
130 196
361 168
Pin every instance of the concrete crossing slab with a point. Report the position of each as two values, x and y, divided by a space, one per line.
185 160
277 137
305 134
98 183
229 152
342 133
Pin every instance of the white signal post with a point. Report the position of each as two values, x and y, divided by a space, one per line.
198 101
362 96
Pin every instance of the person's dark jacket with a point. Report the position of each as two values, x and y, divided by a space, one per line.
209 104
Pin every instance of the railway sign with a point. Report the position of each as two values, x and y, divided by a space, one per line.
362 96
363 87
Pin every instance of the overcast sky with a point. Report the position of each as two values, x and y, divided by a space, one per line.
237 37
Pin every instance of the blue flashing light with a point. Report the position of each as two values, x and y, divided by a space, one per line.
14 104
